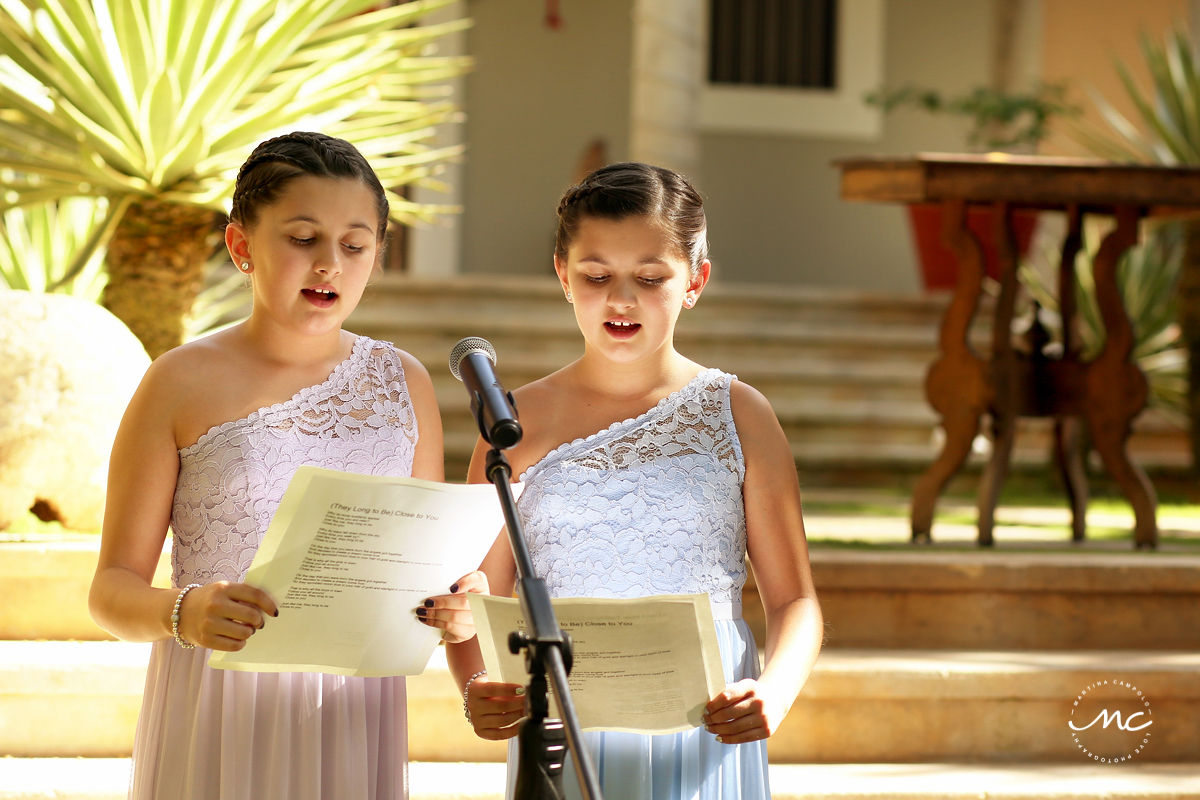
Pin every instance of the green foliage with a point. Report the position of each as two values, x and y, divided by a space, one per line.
1169 114
999 120
164 99
37 243
40 242
1167 132
1147 276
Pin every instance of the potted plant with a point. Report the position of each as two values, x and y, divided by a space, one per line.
1000 120
1166 132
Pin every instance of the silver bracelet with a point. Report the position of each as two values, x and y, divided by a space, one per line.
467 688
175 617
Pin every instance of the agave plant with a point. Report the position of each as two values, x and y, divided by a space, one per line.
1147 277
38 243
1167 132
1169 117
153 105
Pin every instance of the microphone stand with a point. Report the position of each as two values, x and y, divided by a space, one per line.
547 651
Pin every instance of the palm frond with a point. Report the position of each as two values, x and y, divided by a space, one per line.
1167 128
165 97
40 243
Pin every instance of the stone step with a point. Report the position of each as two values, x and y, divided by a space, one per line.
107 779
894 599
741 326
44 584
524 296
81 699
983 600
855 413
903 599
844 369
881 463
557 344
800 378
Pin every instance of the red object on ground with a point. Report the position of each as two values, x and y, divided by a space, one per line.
939 270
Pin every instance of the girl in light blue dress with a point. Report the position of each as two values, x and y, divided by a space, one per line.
646 473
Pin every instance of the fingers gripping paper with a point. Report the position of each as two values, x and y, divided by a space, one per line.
348 558
646 664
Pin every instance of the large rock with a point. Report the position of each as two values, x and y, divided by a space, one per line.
67 370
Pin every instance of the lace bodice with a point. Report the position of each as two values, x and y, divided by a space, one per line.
360 419
650 505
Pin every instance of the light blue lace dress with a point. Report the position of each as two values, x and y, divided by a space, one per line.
653 505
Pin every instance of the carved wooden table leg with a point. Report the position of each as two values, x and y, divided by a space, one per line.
1068 433
1005 403
1068 457
1115 388
956 384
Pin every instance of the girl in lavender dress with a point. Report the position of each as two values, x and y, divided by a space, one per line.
208 445
646 473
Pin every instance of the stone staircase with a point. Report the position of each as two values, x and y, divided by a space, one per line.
939 667
945 674
844 370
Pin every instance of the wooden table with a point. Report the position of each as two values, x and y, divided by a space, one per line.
1104 394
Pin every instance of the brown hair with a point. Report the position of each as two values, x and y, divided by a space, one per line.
276 162
633 189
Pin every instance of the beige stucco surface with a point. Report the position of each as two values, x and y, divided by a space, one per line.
539 96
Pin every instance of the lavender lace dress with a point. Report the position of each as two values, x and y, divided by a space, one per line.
653 505
207 733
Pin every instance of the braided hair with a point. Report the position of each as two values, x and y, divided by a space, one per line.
275 162
633 189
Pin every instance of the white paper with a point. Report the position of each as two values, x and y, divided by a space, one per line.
348 558
645 665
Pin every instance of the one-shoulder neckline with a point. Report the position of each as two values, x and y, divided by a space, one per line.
360 342
701 376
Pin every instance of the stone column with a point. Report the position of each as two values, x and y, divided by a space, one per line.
667 74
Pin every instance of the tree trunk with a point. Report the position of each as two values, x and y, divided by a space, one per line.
156 264
1189 322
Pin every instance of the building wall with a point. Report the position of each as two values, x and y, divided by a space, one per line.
538 97
535 101
774 210
1083 55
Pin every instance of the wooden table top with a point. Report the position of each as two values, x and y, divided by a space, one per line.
1027 181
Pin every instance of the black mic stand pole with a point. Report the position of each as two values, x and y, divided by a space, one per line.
547 649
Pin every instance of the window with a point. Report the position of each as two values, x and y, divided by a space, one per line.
793 67
773 43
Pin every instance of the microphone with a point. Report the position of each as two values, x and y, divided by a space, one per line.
472 361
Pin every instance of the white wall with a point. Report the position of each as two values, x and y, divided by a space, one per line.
774 210
538 96
535 100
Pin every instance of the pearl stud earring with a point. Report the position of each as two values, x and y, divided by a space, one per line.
245 266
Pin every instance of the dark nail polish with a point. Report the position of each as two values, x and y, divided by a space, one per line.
420 612
454 588
429 603
276 613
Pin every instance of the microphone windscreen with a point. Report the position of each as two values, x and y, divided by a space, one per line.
464 348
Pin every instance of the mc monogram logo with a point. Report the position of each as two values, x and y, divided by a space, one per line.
1110 721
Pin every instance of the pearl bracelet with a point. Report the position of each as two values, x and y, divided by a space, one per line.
467 688
175 617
